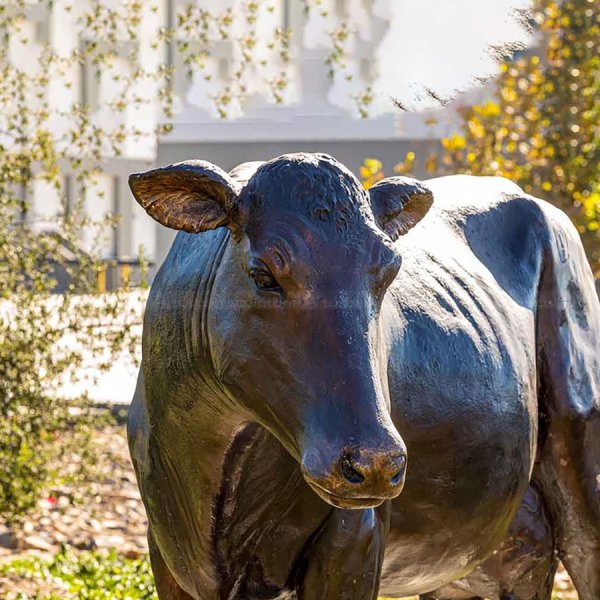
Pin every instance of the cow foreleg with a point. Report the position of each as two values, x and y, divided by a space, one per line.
568 340
545 592
430 597
346 558
166 586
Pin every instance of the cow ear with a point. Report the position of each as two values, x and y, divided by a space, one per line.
399 203
191 196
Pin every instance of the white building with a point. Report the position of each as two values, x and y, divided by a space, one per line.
320 111
324 97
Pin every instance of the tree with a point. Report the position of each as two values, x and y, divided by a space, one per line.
541 127
34 360
45 337
56 133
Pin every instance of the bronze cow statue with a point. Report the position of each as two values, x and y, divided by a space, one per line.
311 350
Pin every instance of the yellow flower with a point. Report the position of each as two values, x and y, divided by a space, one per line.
456 142
371 172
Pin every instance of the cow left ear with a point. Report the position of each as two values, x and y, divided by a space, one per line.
191 196
399 203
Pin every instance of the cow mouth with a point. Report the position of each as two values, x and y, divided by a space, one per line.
346 501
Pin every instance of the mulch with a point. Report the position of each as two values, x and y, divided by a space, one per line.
106 513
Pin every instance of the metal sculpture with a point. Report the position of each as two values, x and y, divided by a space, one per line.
311 350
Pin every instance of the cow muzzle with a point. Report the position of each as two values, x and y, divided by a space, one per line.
357 477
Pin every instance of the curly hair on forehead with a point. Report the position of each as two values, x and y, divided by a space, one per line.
317 184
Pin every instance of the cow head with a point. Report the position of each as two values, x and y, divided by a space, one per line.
294 318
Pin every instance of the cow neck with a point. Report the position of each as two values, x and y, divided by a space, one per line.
200 307
192 425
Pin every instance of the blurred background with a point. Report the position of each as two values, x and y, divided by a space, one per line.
92 90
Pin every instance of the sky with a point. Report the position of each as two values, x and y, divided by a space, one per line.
446 41
438 44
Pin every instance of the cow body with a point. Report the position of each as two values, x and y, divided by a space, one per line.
462 375
458 346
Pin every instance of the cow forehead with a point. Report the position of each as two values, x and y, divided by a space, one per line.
308 185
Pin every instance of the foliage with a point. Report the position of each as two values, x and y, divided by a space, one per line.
45 338
197 33
91 575
342 24
84 575
541 127
65 110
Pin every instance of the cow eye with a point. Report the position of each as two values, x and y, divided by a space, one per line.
264 281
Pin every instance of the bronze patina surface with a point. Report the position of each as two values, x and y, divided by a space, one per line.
312 350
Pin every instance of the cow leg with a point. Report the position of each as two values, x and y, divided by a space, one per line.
569 471
568 344
430 597
545 592
166 586
345 559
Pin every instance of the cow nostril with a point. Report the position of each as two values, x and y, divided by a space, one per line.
397 478
400 463
349 472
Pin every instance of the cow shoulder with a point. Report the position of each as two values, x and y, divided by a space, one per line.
462 196
505 228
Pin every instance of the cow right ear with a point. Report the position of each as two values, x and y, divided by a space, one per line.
191 196
399 203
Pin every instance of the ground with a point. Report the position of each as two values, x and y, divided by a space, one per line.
90 542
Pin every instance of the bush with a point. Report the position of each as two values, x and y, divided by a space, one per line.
82 575
46 337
